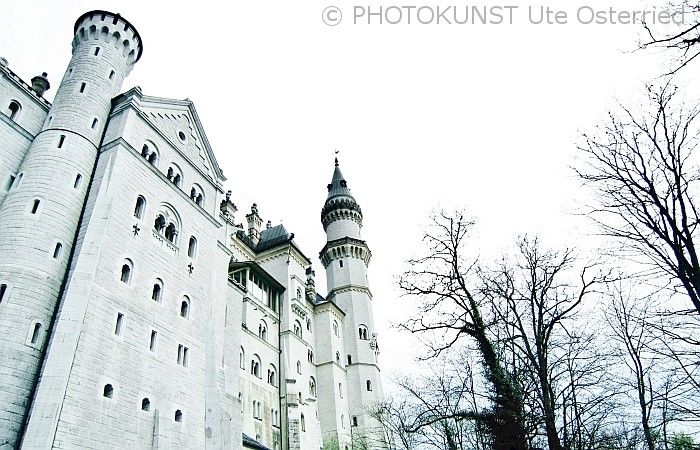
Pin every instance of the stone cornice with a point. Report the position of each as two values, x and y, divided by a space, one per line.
346 247
349 288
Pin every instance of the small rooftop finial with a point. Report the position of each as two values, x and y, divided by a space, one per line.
336 158
228 196
40 84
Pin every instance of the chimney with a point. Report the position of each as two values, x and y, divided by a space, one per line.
40 84
254 224
310 284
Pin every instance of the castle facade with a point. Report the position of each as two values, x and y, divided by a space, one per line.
136 311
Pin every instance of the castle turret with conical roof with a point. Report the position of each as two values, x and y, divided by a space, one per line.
346 258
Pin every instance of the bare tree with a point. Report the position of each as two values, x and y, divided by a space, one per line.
534 301
642 169
629 324
450 310
681 37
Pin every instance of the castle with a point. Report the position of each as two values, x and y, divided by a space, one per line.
134 311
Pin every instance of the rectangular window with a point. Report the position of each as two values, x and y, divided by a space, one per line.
154 339
118 325
97 51
82 88
111 75
179 353
60 140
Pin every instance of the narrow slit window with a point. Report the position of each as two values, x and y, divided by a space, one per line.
36 334
61 139
145 404
111 75
178 416
185 309
10 182
94 123
58 249
97 51
78 181
108 391
3 291
35 206
118 324
82 88
154 339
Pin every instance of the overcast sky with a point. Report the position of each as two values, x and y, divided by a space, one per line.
483 117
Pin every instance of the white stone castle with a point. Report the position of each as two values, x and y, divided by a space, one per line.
134 311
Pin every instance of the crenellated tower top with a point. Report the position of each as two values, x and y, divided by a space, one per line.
112 28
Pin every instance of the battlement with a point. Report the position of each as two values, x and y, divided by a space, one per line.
111 28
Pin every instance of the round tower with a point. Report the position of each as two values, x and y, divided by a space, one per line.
40 215
345 258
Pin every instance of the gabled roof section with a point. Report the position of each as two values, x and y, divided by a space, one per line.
177 119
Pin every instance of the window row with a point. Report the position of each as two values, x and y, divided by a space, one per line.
182 350
108 392
257 287
157 291
256 367
167 228
173 174
13 182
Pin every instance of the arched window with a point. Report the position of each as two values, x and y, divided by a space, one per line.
159 224
349 360
140 208
340 389
108 391
185 307
310 355
312 387
178 416
303 423
354 421
199 199
35 206
255 366
145 151
299 294
153 158
177 180
272 375
170 232
36 333
242 358
297 328
308 324
362 331
13 109
335 328
57 250
262 330
192 247
170 174
299 367
337 357
342 421
126 272
157 292
145 404
369 385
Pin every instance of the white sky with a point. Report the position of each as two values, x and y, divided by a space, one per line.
483 117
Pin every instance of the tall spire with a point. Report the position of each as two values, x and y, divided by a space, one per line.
338 186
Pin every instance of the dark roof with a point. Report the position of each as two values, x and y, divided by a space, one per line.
271 237
249 442
320 300
338 185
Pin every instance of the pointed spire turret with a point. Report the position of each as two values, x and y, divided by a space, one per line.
340 203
